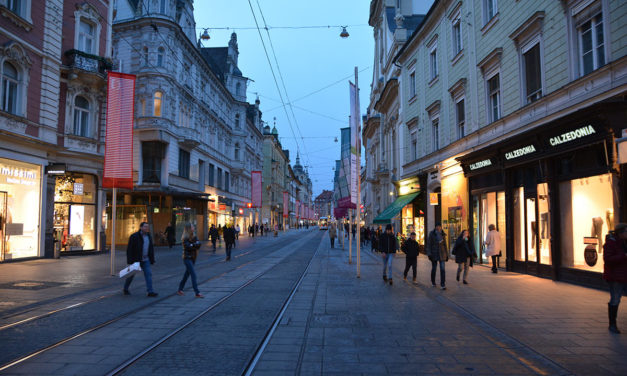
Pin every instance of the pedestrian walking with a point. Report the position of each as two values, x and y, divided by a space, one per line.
464 252
332 235
237 230
170 234
493 246
438 253
190 252
261 229
229 240
615 270
389 246
213 235
140 249
220 235
374 242
410 247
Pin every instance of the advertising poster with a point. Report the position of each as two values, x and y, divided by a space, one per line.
255 177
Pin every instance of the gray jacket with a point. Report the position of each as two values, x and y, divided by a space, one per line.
435 251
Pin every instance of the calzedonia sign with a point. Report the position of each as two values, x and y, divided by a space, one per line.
572 135
520 152
480 164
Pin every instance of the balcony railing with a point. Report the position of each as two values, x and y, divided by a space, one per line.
88 62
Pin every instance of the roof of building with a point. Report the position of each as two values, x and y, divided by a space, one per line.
325 196
409 22
216 58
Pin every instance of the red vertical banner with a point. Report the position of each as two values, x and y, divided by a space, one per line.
255 178
118 157
296 209
285 207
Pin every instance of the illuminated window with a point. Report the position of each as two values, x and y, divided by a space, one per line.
158 98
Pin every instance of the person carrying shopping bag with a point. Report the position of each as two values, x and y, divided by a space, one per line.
190 252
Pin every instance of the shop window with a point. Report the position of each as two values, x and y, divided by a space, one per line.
587 211
20 201
519 224
81 116
184 163
75 212
10 87
544 225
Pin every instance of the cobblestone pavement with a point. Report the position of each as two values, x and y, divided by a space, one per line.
506 323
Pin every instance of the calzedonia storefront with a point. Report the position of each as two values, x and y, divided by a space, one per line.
553 194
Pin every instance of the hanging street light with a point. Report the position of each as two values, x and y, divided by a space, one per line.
205 35
344 34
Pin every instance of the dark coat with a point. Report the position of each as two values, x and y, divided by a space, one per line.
463 250
190 248
170 234
435 250
135 247
614 259
388 243
410 247
229 235
213 234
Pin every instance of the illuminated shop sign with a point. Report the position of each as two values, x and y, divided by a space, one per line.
520 152
17 175
480 164
572 135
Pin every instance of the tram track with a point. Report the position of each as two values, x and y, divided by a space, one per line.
32 320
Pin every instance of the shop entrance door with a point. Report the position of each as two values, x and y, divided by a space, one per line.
538 231
3 218
488 209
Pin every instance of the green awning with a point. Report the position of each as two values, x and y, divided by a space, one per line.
392 210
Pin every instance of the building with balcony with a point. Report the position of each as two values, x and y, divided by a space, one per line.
512 114
53 58
196 137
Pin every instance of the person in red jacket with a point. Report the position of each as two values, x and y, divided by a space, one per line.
615 269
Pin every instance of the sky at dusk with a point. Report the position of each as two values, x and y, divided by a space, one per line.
315 64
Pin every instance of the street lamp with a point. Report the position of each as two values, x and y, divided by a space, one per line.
205 35
344 34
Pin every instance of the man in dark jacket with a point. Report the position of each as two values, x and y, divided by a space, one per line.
437 252
213 235
229 240
170 234
410 247
615 269
140 249
388 245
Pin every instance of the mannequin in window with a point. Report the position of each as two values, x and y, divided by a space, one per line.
534 233
597 231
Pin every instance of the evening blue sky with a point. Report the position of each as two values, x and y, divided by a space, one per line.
309 60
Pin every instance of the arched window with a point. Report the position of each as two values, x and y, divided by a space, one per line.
160 56
9 88
158 98
81 116
86 37
236 121
145 55
237 152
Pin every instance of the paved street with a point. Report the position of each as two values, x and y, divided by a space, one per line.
334 323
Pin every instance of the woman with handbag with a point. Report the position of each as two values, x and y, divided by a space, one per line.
464 252
190 252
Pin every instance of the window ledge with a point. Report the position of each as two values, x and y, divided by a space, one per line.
83 138
413 99
490 23
16 19
434 80
457 57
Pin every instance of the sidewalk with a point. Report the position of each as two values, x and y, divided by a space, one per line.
504 323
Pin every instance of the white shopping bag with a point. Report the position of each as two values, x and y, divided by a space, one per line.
130 270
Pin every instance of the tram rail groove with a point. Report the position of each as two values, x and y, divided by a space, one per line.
56 344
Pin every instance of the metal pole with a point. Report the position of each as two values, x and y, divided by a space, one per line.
350 237
358 215
113 215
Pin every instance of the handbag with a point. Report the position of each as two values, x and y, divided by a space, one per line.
130 270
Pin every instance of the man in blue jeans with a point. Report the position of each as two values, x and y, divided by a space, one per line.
388 245
437 252
140 249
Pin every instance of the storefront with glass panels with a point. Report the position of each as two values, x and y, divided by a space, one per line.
553 195
75 209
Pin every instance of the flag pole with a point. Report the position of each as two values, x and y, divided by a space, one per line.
358 145
113 215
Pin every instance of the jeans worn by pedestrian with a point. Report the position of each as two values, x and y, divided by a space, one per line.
229 247
387 262
145 265
434 265
617 290
465 266
189 271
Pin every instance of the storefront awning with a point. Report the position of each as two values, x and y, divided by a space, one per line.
392 210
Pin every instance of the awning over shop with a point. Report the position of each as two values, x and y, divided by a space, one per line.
392 210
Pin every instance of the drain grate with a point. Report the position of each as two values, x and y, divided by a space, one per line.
29 285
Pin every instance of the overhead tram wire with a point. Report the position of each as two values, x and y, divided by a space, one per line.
280 27
303 109
276 61
263 43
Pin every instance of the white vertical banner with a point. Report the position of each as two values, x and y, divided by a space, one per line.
355 143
